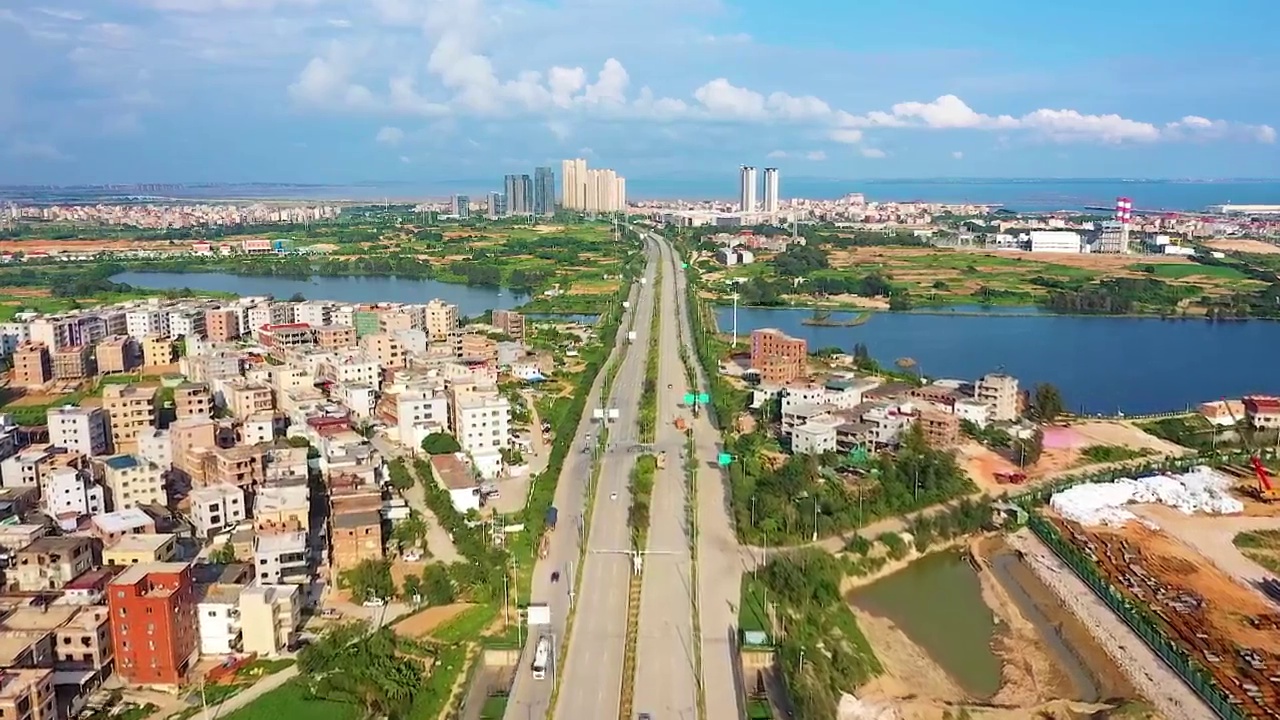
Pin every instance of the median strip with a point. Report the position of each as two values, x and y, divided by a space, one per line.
642 480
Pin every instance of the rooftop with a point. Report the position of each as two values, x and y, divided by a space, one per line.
122 462
49 617
135 573
64 545
122 521
14 682
452 472
145 542
280 542
364 518
219 593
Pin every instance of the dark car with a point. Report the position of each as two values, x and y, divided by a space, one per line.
645 716
555 576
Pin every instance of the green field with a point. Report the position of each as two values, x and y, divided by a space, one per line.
494 708
1179 271
291 700
466 625
752 613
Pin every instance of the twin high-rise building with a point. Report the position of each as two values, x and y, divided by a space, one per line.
519 192
522 195
591 190
747 183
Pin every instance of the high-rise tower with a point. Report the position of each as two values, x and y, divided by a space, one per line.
747 189
771 190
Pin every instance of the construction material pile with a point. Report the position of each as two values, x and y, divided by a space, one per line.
1201 490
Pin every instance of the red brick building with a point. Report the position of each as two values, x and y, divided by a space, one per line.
153 623
778 357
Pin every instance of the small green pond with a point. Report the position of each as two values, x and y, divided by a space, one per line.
937 602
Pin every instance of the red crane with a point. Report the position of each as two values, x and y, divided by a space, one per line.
1266 491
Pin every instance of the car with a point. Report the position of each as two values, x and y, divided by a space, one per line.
645 716
669 386
555 576
613 496
374 602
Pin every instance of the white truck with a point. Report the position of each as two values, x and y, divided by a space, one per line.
541 656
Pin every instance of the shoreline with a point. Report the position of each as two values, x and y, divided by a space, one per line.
936 310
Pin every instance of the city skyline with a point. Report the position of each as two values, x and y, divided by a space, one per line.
337 91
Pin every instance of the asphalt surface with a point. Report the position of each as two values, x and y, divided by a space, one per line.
721 562
592 680
666 670
531 698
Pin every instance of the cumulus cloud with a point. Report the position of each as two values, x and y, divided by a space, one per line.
390 136
815 155
873 153
958 155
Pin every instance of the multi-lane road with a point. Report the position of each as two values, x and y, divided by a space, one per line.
530 698
666 679
592 677
666 670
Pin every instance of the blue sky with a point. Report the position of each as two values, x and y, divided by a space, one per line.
436 91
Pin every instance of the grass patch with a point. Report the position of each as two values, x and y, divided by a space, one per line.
753 614
759 710
294 700
1260 546
466 625
642 477
1176 271
1111 453
494 707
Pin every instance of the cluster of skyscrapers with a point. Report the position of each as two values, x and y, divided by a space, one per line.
748 182
523 195
591 190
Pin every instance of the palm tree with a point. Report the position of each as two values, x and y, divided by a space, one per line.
410 531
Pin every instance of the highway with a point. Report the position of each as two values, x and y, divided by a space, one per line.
530 698
592 678
721 562
666 670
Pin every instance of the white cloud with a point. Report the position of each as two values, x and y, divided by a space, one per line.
406 159
390 136
874 153
815 155
777 155
848 136
560 129
958 155
44 151
208 6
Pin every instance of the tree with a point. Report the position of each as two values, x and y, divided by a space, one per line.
440 443
1047 402
297 298
223 555
437 585
410 531
1027 451
369 580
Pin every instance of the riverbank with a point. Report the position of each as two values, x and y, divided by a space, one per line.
1047 659
968 309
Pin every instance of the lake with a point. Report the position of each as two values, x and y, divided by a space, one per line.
470 300
1101 364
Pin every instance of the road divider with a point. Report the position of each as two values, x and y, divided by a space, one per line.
642 479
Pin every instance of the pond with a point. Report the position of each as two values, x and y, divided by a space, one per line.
937 601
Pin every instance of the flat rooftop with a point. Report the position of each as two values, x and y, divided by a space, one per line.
363 518
14 682
14 642
219 593
64 545
122 521
135 573
39 618
143 542
122 462
452 472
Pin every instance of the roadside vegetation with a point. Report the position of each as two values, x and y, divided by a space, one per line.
647 424
642 478
1262 547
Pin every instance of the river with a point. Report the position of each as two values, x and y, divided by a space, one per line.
470 300
1101 364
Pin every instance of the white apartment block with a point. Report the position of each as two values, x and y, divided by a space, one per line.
975 411
141 323
314 312
280 557
156 447
82 430
481 421
13 334
359 398
216 507
351 369
815 437
132 481
69 495
258 428
23 470
1001 393
420 413
187 323
218 618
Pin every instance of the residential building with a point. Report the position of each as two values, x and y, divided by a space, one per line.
27 694
30 467
141 323
132 481
366 321
509 322
130 411
941 429
222 324
218 611
258 428
31 365
119 354
81 645
973 410
747 189
519 193
420 413
283 337
154 627
111 527
13 334
355 368
193 400
771 190
386 349
544 192
27 649
141 549
313 312
452 474
49 563
69 494
82 430
481 421
216 507
245 400
157 350
441 319
241 466
461 206
281 558
187 323
1000 391
356 536
335 337
815 437
283 507
74 362
777 357
1262 412
269 616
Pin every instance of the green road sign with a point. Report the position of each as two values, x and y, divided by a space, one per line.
688 398
723 459
700 399
684 266
704 398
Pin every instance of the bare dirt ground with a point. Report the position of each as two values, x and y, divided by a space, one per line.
1242 245
79 246
982 464
1096 262
1126 434
424 622
24 292
915 686
1212 536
